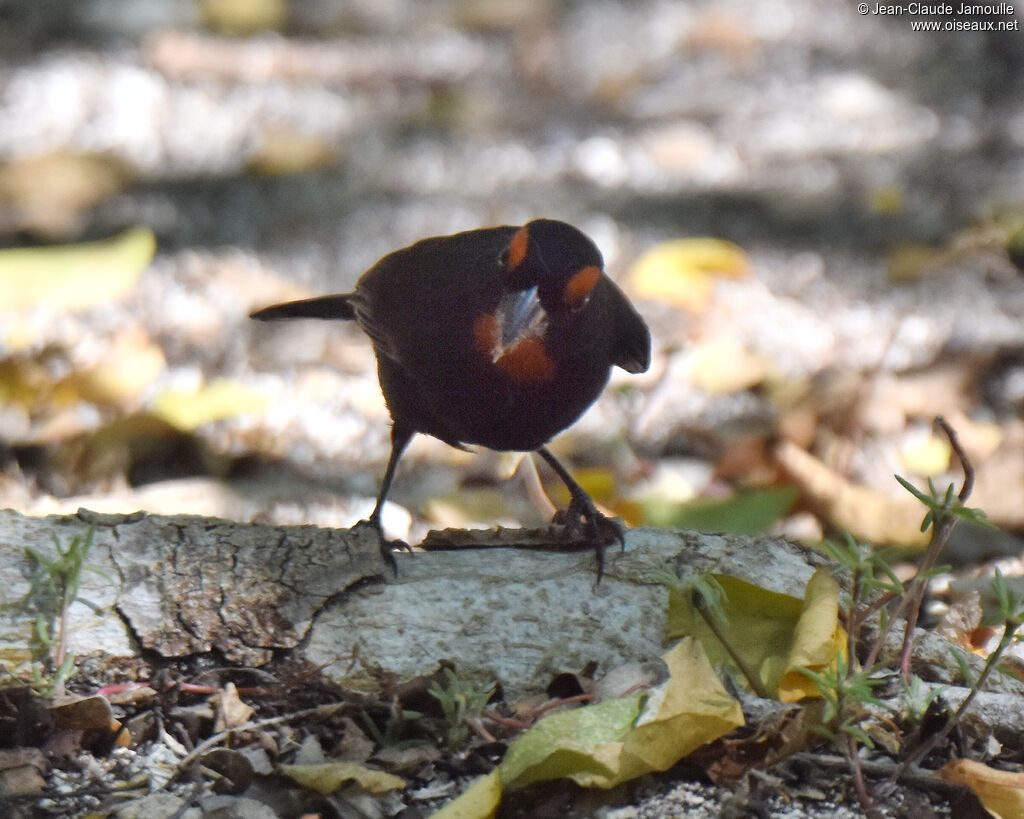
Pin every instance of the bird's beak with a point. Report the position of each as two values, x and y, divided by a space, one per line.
520 315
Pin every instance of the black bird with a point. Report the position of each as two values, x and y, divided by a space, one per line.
499 337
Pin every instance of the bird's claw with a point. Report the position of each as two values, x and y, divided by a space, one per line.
387 547
583 521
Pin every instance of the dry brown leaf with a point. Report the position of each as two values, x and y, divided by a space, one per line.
780 735
50 193
22 771
999 479
91 714
865 513
232 768
958 624
231 711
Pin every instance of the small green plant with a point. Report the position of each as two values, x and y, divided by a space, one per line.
875 604
918 697
1011 615
943 505
461 703
54 588
876 594
390 736
845 693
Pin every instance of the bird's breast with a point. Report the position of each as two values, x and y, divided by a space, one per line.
511 340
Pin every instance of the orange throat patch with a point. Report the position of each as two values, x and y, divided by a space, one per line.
525 360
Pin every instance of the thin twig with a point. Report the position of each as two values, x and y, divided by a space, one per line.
933 741
958 450
910 602
216 739
854 621
859 786
914 776
940 536
481 731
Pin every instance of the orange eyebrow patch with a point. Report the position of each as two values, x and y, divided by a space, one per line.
580 285
485 333
527 361
517 248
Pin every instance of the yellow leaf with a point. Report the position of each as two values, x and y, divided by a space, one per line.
1001 792
479 801
583 744
773 632
817 637
723 366
243 16
926 455
887 200
598 481
691 709
908 263
74 277
217 400
132 364
327 777
284 151
616 740
683 271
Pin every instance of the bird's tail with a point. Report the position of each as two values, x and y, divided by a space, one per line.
320 307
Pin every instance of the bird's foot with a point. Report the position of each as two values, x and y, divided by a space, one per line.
387 547
583 521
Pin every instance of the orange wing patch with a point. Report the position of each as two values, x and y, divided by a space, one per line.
527 361
579 286
517 248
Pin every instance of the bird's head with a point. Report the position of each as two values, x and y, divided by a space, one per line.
547 269
553 261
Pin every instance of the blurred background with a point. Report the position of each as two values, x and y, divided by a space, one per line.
819 212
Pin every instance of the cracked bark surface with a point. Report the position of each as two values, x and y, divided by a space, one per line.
188 585
249 592
198 584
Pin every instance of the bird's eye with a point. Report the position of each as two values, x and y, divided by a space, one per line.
575 307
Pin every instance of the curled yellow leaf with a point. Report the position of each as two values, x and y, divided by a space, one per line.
683 271
74 277
1001 792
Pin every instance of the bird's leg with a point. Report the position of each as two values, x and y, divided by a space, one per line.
400 437
598 527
